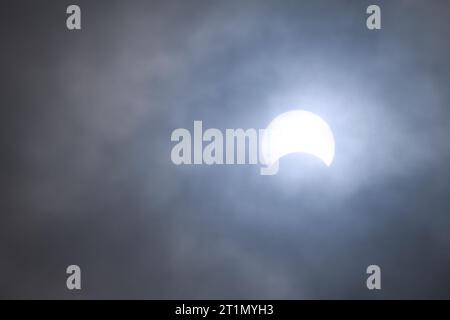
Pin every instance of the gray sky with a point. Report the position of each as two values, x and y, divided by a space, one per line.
87 176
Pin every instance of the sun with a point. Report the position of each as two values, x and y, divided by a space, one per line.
298 131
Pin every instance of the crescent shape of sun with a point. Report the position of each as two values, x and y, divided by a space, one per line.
297 131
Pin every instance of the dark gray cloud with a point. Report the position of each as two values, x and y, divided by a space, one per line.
87 176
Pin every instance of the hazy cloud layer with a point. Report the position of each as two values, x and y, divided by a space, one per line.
87 176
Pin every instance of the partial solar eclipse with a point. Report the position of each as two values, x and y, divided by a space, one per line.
297 131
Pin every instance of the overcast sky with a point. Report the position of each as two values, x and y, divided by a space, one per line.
87 177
